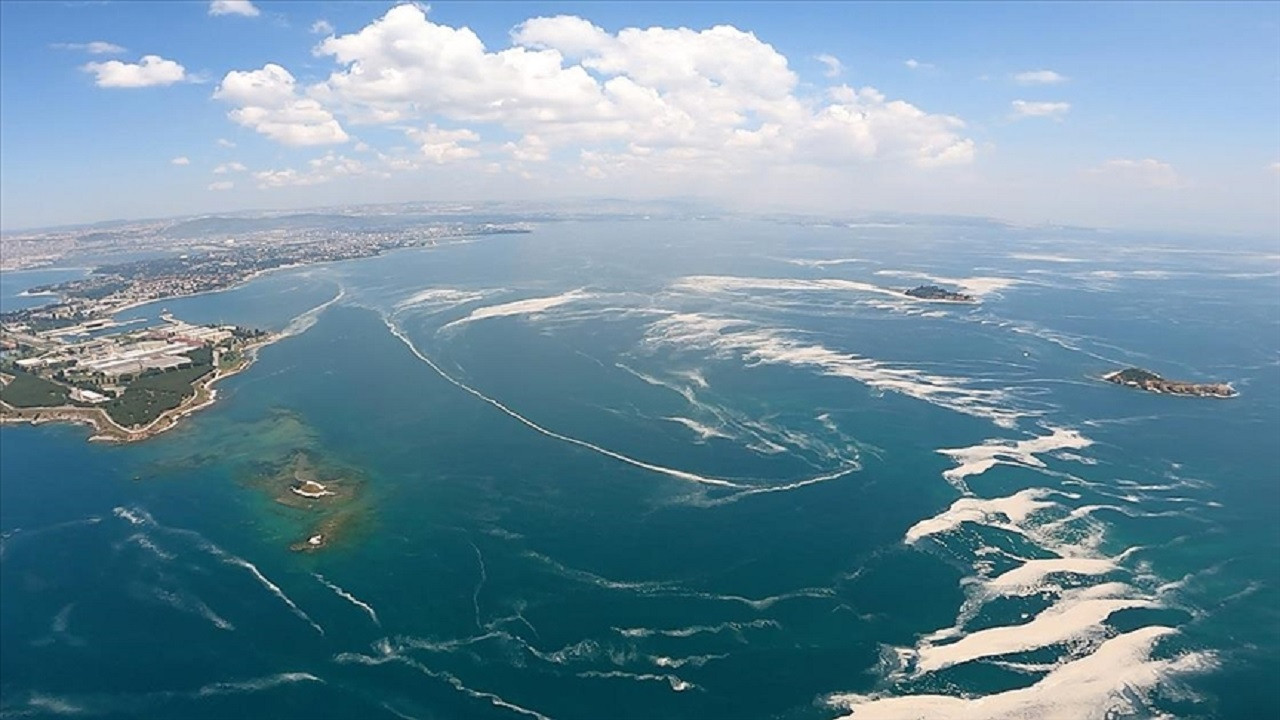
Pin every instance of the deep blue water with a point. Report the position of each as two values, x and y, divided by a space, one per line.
651 469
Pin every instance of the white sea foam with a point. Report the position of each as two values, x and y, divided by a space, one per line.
735 628
693 660
694 376
978 459
676 683
1029 577
704 432
1105 684
451 679
256 684
528 306
134 515
1046 257
373 615
824 263
1077 615
306 320
763 346
143 541
978 286
765 603
275 589
139 516
188 603
651 586
441 297
55 705
475 594
1006 513
736 284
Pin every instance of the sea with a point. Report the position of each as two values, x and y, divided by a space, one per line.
714 468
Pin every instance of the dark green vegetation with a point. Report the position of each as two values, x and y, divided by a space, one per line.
1151 382
154 393
1135 375
933 292
27 390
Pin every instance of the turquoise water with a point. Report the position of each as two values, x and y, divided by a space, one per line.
651 469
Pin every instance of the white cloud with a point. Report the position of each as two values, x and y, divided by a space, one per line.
221 185
835 68
915 64
152 70
181 160
223 142
1039 77
319 170
233 7
531 148
322 27
1027 108
229 168
445 146
1147 172
270 104
718 99
97 47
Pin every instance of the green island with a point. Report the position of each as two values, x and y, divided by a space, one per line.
939 294
321 495
128 384
1151 382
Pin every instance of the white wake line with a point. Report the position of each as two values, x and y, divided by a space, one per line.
350 598
142 517
307 319
671 472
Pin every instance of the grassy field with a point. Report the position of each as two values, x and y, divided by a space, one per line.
28 390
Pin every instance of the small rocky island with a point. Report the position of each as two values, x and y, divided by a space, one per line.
321 492
939 294
1151 382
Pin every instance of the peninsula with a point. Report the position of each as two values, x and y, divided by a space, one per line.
1151 382
939 294
128 385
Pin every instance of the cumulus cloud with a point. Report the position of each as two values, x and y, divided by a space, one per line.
835 68
530 149
230 167
97 47
1039 77
322 27
233 7
1028 108
1146 172
319 170
223 142
152 70
268 102
718 98
221 185
181 160
915 64
445 146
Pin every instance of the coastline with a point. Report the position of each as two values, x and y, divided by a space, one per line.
106 429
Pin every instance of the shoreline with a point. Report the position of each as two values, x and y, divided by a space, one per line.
106 429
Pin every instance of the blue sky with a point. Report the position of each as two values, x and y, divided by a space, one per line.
1131 115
